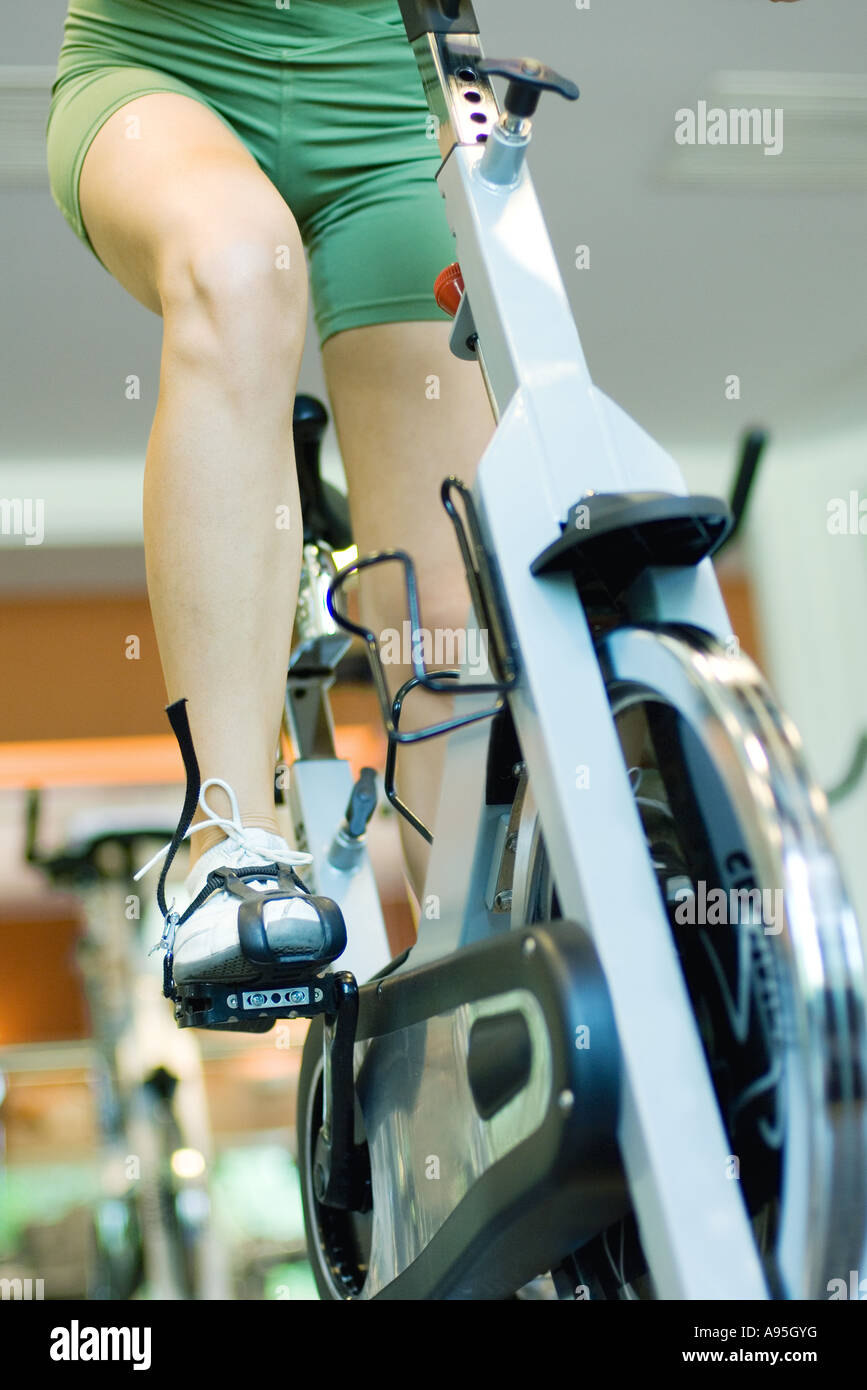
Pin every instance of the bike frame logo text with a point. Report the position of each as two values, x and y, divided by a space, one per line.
738 126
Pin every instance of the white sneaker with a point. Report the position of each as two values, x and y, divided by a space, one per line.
207 945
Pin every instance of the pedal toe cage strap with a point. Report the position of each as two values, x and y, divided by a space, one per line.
314 944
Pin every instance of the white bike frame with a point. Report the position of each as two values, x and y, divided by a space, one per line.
558 438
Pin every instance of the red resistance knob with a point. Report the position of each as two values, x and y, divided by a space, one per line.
448 288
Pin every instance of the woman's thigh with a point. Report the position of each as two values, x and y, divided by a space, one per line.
138 147
166 183
323 95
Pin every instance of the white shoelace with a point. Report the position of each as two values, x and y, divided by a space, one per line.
235 831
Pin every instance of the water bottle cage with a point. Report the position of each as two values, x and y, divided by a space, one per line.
493 620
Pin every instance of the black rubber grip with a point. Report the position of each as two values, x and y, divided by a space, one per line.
438 17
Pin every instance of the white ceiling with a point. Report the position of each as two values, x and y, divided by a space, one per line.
686 285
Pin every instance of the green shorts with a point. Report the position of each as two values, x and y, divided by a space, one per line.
325 94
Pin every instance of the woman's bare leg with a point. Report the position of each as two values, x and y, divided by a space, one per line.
407 413
188 223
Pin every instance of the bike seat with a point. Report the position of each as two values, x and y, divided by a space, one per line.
324 508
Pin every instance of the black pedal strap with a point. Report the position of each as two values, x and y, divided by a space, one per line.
224 879
177 714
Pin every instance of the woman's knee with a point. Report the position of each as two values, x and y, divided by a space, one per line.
236 294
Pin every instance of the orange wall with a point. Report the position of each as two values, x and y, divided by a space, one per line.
67 675
41 987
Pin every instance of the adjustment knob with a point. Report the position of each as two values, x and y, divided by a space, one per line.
528 79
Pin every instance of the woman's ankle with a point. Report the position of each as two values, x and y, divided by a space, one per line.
262 822
203 840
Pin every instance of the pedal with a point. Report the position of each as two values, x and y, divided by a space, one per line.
288 985
246 1008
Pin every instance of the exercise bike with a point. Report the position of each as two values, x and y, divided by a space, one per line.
627 1051
153 1233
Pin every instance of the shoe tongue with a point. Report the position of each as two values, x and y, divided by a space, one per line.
228 855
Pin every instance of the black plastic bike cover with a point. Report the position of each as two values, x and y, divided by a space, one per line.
438 17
